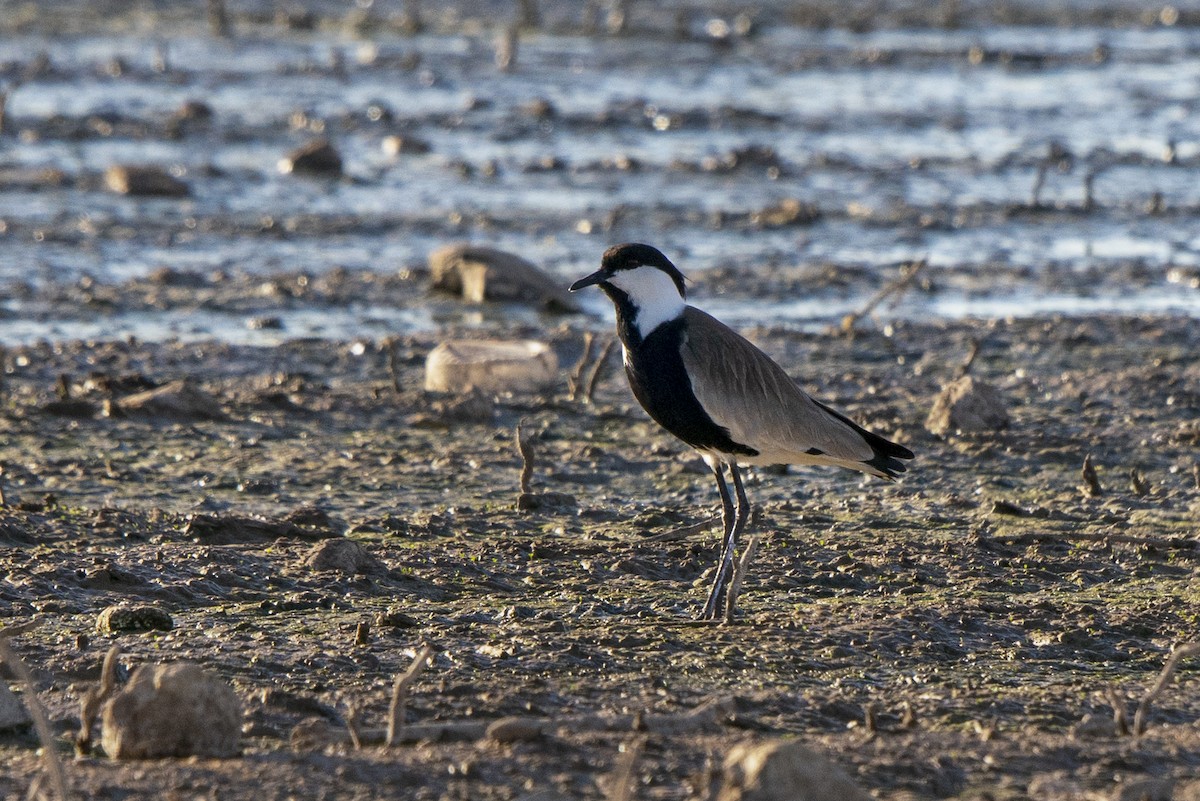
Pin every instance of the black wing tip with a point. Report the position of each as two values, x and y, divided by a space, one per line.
887 459
889 466
887 453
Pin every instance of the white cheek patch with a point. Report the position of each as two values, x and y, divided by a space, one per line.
653 293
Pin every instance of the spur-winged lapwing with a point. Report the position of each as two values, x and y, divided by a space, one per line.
712 388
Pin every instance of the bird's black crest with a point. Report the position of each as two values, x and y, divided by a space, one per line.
632 255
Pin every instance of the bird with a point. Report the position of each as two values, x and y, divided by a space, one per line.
720 394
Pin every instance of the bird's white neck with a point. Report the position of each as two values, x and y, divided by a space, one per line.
653 296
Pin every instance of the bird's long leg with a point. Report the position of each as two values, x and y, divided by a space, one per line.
743 503
729 518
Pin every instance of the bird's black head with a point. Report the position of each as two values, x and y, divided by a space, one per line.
631 256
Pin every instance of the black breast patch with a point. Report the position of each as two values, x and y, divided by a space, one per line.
660 383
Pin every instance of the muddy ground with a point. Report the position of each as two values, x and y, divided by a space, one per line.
942 637
972 631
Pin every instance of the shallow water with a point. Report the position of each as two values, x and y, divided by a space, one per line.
912 144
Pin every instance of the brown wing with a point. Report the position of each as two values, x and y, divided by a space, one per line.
745 391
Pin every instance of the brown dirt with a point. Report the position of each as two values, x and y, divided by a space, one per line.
942 637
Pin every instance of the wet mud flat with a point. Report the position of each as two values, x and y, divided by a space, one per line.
1053 147
964 633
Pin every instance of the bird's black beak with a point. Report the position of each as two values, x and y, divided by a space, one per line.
591 280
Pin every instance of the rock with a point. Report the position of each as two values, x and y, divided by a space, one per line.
178 400
393 146
13 714
144 181
269 322
70 407
482 273
533 501
1053 787
172 710
785 770
1188 791
226 529
395 619
1145 790
473 407
490 366
192 115
968 406
515 729
310 734
318 157
344 556
32 178
194 110
316 519
786 212
133 617
1094 727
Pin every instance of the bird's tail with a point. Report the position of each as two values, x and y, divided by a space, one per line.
886 461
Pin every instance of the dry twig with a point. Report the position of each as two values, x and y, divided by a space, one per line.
528 15
870 720
218 19
968 362
525 448
1164 679
1039 181
618 17
400 694
1089 185
1120 721
1137 483
575 379
507 44
52 763
89 705
908 719
739 574
352 726
1091 482
393 362
908 274
624 776
411 21
597 370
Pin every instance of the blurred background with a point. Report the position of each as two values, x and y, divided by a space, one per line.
791 157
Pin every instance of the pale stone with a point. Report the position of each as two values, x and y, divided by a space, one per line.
969 406
172 710
785 770
12 712
490 366
482 273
